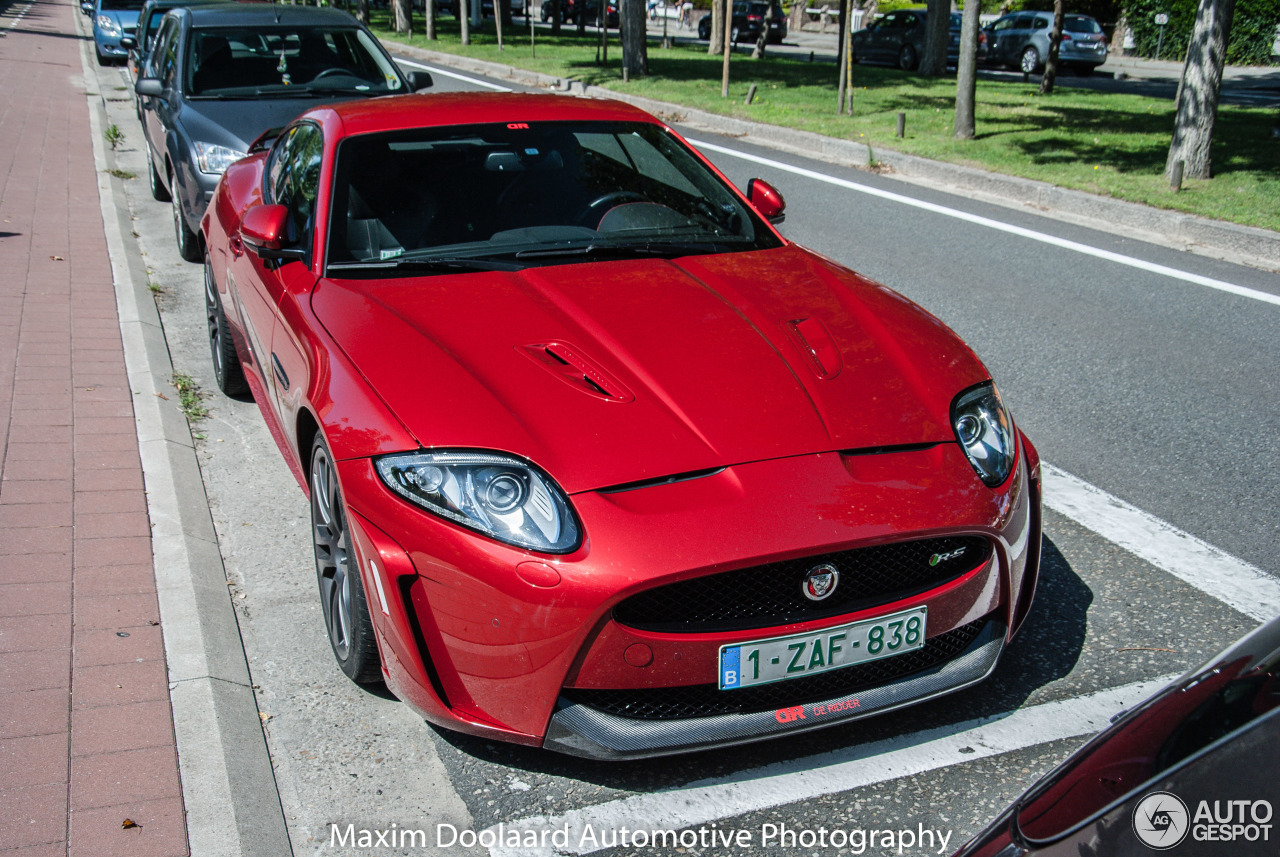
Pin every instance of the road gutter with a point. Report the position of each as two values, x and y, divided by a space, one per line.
228 784
1243 245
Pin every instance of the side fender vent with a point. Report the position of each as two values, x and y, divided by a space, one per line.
579 371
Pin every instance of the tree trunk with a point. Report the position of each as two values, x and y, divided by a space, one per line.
967 72
633 22
505 6
402 10
937 30
716 44
555 17
430 24
763 41
464 18
1055 45
362 11
1198 91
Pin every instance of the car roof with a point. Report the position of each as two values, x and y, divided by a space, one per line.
261 15
404 112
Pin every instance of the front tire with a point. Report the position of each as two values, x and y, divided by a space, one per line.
342 600
188 242
227 371
1030 60
907 59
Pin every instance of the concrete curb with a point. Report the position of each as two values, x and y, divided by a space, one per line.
228 784
1245 245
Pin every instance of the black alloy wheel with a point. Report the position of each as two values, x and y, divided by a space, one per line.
907 59
227 371
342 598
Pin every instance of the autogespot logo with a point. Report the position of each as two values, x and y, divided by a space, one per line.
1160 820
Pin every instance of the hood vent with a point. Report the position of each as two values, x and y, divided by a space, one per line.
571 366
813 339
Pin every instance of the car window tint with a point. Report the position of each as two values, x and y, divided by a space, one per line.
1078 24
491 189
1042 23
1003 24
163 61
256 61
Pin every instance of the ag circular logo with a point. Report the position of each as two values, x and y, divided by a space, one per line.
1161 820
820 582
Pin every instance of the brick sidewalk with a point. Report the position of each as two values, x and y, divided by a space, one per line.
86 731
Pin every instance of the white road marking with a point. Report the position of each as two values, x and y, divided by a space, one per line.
839 771
1174 273
1232 581
445 72
13 23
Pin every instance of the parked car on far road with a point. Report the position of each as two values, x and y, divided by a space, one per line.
898 38
1021 41
220 75
748 18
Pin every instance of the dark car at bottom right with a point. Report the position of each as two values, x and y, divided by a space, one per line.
1191 771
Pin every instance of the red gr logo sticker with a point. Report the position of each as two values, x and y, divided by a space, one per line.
787 715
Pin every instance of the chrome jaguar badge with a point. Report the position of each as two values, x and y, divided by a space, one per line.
819 582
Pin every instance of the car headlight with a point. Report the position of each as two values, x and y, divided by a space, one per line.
985 432
214 160
497 495
108 26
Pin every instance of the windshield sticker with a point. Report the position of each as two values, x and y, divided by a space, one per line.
391 254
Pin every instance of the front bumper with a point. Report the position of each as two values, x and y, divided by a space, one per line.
580 730
494 641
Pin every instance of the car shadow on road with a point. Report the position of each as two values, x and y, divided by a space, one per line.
1046 650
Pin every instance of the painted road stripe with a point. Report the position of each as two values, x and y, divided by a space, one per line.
1232 581
832 773
968 217
453 74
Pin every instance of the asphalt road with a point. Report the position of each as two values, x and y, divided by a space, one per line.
1152 388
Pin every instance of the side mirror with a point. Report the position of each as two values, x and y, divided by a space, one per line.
151 87
766 200
420 80
263 231
128 43
86 8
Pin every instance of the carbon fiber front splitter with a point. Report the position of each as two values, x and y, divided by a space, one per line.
580 730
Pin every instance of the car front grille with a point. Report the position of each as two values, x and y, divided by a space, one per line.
707 700
769 595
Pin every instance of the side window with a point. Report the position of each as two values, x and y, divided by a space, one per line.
295 178
164 54
1042 23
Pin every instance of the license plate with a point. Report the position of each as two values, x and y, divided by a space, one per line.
799 655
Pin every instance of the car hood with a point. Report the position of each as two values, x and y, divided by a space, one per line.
235 123
617 372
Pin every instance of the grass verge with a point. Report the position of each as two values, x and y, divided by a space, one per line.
1103 143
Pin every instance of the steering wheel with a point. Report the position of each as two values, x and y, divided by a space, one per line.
595 210
330 72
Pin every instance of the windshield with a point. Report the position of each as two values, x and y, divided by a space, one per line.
1080 24
542 193
280 62
120 5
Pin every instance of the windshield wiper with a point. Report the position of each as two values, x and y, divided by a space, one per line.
440 263
630 250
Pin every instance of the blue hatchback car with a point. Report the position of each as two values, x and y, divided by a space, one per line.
112 21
